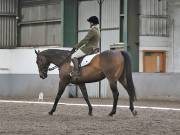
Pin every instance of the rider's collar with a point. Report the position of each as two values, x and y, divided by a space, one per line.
95 26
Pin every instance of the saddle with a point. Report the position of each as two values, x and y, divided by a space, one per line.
85 60
80 62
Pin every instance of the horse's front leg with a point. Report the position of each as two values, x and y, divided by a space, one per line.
62 86
85 95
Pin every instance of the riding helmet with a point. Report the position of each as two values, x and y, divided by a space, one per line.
93 19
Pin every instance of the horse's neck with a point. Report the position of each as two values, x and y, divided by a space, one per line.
55 62
58 61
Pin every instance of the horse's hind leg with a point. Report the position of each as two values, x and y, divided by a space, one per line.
131 105
85 95
113 86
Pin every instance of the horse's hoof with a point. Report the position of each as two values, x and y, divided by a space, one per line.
134 113
90 114
111 113
51 113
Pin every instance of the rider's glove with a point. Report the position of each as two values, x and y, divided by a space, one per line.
73 50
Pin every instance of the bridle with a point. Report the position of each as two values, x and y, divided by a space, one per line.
44 69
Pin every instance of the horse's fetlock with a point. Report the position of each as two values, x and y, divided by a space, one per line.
131 108
90 108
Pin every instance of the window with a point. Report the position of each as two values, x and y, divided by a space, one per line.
153 18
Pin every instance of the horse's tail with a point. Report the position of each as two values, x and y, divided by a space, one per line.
128 74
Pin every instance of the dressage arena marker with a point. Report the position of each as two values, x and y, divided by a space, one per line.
95 105
40 98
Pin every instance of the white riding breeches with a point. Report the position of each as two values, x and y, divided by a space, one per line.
78 54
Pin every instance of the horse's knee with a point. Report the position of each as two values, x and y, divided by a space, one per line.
115 94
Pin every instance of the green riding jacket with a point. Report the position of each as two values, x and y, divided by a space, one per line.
90 41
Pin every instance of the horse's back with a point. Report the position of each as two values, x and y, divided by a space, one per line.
110 62
111 56
110 53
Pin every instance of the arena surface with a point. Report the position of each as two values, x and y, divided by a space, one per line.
71 118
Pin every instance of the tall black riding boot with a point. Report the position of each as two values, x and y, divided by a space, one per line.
75 72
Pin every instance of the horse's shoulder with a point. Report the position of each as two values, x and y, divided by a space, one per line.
66 67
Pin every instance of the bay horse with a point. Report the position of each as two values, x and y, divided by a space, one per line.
113 65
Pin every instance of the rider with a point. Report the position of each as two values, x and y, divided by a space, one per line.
87 45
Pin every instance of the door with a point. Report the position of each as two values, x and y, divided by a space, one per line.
154 62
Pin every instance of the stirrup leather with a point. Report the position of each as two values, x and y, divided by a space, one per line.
75 72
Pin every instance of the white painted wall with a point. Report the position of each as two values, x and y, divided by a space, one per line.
5 57
19 75
20 61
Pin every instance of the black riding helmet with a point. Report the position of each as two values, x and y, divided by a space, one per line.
93 19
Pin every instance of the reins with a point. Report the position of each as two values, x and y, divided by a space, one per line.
72 51
50 69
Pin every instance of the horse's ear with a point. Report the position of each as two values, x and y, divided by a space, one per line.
37 52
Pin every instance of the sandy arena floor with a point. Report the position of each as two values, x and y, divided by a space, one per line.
33 119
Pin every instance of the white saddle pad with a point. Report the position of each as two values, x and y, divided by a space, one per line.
87 59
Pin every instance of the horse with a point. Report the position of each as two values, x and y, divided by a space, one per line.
113 65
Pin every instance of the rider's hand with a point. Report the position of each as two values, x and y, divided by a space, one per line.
73 50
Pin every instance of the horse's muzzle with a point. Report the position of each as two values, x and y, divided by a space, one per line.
43 75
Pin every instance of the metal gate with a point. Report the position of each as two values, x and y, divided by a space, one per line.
8 23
